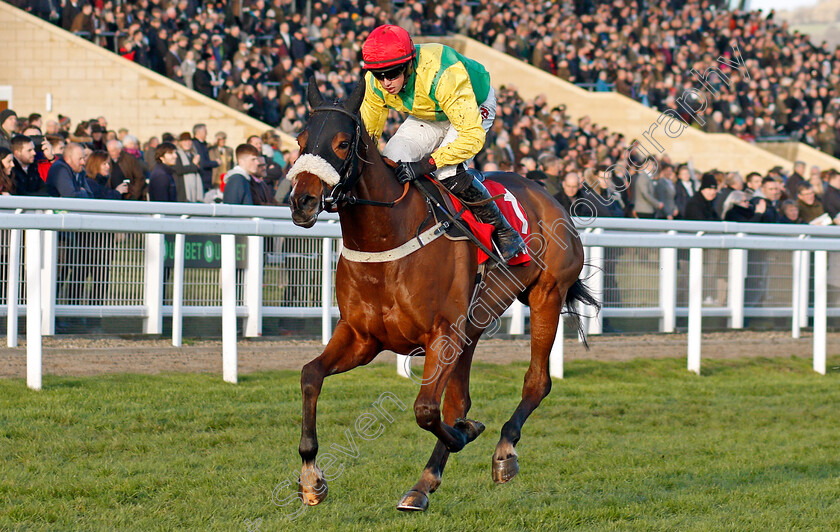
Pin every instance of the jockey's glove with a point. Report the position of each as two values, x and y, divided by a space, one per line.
406 172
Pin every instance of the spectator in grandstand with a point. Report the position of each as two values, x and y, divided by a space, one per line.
701 205
606 201
202 80
26 174
57 144
795 179
187 176
223 155
684 189
237 181
818 183
162 185
7 163
172 60
51 127
665 192
98 172
126 167
570 193
769 193
66 178
206 164
831 197
149 152
789 213
644 199
753 182
261 192
8 127
34 120
274 172
83 23
737 208
549 164
97 133
733 182
807 203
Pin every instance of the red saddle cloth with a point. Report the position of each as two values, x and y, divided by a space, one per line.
511 210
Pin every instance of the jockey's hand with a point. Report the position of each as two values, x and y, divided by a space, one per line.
410 171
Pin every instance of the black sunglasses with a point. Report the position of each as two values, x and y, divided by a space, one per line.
392 73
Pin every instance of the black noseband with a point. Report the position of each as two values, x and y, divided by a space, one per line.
348 174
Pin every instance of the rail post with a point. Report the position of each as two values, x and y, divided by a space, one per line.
595 323
33 309
49 271
735 296
820 310
12 288
805 283
695 308
228 275
153 282
517 318
254 287
178 291
796 301
555 358
326 291
668 288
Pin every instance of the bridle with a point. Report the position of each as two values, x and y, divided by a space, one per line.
350 173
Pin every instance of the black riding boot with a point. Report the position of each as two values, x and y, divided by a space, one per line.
508 240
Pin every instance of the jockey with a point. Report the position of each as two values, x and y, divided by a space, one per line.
451 106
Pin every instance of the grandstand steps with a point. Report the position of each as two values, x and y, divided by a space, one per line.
45 64
632 119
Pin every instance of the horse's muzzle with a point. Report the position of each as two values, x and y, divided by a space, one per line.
305 210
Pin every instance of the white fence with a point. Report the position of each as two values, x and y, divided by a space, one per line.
641 268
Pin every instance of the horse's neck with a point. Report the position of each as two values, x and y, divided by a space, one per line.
379 228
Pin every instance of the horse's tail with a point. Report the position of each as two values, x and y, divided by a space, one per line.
580 293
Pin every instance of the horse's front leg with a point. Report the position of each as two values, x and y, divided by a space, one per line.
456 405
346 350
442 353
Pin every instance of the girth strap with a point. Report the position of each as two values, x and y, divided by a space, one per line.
425 238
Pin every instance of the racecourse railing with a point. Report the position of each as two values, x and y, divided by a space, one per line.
111 258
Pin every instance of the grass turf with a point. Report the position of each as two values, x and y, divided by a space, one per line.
643 445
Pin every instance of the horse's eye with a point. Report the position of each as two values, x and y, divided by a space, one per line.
344 145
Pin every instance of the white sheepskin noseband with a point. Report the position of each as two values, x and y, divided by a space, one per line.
314 165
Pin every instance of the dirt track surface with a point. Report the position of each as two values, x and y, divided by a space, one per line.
78 356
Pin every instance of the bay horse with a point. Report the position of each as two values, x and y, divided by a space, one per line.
421 302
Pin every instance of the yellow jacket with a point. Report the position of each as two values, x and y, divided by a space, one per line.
443 86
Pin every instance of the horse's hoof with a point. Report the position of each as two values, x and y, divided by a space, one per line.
471 428
312 487
504 470
413 501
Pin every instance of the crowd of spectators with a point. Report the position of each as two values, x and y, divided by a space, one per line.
255 55
647 50
573 161
44 158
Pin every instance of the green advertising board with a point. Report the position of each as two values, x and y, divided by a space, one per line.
204 251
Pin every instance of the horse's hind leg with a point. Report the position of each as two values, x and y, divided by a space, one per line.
545 305
456 404
345 351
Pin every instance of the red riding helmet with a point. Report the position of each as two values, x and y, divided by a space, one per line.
387 46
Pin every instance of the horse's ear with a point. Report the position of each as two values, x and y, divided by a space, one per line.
354 101
313 94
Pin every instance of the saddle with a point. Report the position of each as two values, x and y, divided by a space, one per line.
446 206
